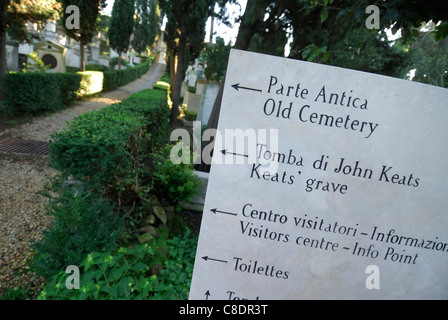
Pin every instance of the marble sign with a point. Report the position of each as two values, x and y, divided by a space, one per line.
326 183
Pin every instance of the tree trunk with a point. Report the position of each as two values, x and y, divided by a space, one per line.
251 19
173 68
81 55
174 114
177 86
3 8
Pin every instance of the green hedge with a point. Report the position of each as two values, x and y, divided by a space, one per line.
118 160
91 83
117 78
34 93
69 85
109 148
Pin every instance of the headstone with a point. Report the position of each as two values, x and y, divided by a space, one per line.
192 80
192 101
326 183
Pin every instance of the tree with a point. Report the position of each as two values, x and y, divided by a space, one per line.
14 15
121 26
250 22
361 49
184 34
88 15
318 26
427 60
147 24
216 56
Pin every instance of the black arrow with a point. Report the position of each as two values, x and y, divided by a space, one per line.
207 294
224 152
225 212
237 86
206 258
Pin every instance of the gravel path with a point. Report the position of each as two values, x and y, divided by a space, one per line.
22 209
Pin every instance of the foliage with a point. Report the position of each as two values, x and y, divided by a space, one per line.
34 93
184 36
110 149
174 181
92 82
82 223
105 276
161 85
114 61
94 149
190 115
89 67
15 294
121 26
117 78
152 105
118 151
88 14
363 50
96 67
37 65
146 24
126 273
69 85
31 93
15 14
216 56
178 268
429 60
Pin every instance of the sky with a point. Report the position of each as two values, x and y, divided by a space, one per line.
228 34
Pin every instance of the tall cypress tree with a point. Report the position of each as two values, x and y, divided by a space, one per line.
185 33
88 14
121 26
147 24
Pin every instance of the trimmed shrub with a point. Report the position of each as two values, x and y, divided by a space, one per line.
83 223
110 148
96 67
69 85
114 62
117 78
32 93
174 182
101 148
152 105
91 83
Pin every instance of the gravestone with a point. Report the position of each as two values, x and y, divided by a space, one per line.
326 183
192 101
